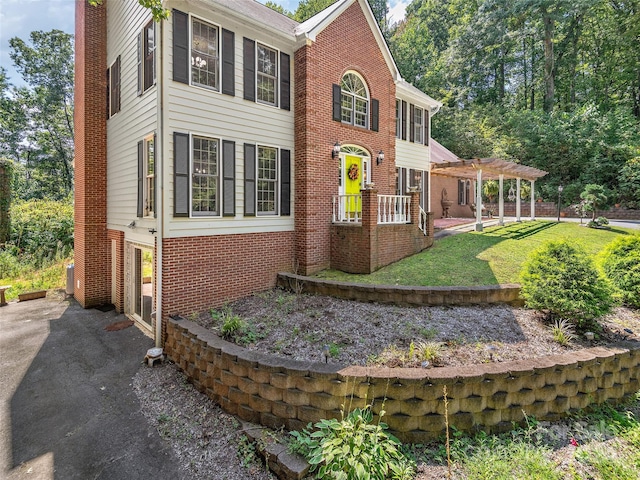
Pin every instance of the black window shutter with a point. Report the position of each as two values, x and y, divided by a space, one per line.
404 120
180 46
118 105
285 82
228 178
139 63
108 93
426 127
337 103
285 182
461 192
249 65
249 180
140 211
412 123
155 176
180 174
412 177
375 114
228 63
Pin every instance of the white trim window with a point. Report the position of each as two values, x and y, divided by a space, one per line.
267 181
205 177
147 57
354 100
205 54
418 125
149 176
266 75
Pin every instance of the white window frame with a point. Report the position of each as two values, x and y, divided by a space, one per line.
149 195
142 56
197 59
418 128
275 182
216 176
275 78
349 100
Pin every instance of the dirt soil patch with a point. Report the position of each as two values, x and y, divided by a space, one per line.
311 327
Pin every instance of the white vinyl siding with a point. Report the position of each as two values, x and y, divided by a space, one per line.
137 117
197 111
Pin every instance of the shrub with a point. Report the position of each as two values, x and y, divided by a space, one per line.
621 264
563 332
561 279
353 448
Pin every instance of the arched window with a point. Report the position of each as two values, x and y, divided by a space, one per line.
354 100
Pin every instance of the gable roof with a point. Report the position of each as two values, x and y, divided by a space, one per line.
311 28
441 154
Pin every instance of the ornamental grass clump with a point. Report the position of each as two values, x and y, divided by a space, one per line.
562 280
353 448
621 264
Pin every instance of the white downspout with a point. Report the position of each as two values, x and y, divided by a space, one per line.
533 201
160 181
518 200
479 201
501 201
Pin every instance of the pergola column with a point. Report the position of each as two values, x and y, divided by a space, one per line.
518 200
501 201
533 201
479 201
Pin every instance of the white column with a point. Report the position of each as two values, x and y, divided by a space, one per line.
479 201
518 200
533 201
429 189
501 201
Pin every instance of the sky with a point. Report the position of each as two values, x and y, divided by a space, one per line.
18 18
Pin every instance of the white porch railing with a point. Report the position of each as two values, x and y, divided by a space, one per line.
423 221
347 208
394 209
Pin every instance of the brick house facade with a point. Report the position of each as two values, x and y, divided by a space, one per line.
205 159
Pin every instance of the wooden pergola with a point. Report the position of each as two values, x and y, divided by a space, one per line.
492 169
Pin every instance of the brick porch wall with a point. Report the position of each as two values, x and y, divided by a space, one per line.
92 252
346 44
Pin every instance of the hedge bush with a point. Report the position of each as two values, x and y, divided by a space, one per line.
621 264
561 279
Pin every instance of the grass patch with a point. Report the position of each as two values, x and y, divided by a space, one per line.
494 256
54 276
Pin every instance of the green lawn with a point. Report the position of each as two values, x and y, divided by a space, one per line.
480 258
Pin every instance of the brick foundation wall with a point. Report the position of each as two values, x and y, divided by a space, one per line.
404 295
277 392
346 44
118 237
205 272
92 253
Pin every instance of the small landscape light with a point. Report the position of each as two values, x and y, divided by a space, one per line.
325 353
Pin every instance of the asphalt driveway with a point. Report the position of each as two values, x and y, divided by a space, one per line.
67 409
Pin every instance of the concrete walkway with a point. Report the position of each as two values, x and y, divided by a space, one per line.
67 408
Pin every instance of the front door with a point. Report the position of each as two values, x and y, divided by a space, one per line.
354 174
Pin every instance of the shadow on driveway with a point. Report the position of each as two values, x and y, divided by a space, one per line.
68 408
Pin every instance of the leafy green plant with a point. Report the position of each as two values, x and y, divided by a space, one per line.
353 448
563 332
594 197
621 264
231 326
561 278
429 351
598 222
334 350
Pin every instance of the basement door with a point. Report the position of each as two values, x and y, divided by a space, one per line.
140 286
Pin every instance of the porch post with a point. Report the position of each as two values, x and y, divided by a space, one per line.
479 201
533 201
501 201
518 200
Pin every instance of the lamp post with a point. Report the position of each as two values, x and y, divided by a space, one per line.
560 188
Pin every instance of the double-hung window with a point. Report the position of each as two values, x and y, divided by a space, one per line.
267 181
267 75
205 54
114 87
205 176
147 57
418 125
147 177
354 101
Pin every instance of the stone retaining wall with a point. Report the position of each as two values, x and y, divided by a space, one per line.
402 295
277 392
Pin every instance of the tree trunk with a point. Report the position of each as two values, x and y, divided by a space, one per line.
549 64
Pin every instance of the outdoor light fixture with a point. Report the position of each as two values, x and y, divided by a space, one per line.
336 150
380 158
132 224
560 188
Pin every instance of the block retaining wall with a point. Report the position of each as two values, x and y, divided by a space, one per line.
276 392
403 295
